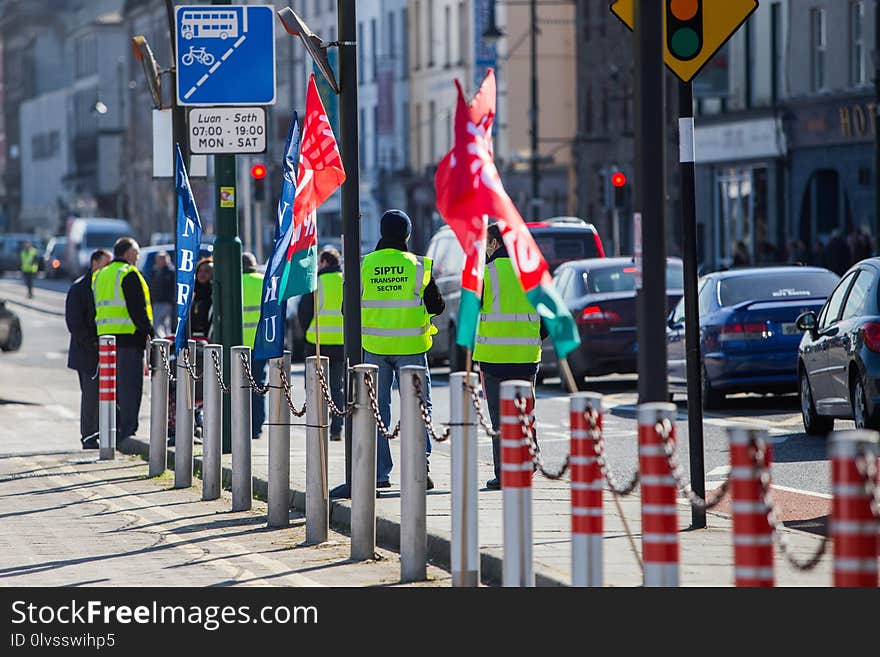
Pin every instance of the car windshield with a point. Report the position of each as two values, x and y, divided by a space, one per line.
100 239
776 286
564 247
622 278
58 249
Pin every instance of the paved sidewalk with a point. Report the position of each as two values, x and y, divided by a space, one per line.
46 301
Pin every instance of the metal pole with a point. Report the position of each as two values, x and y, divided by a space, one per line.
691 307
213 412
227 264
107 398
533 112
651 198
240 403
184 420
660 550
159 408
317 445
363 471
279 444
516 486
413 479
178 113
351 228
587 483
876 125
465 545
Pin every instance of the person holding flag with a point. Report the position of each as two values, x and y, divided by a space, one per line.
469 190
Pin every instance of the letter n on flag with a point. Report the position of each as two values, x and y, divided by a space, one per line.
320 174
189 238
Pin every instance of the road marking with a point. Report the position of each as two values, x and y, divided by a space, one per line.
63 411
721 470
800 491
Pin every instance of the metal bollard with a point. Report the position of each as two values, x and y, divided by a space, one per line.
159 408
363 468
752 533
240 403
659 498
107 398
465 545
516 485
413 480
279 444
213 414
587 483
854 528
185 403
317 445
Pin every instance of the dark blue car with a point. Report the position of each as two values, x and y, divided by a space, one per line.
748 333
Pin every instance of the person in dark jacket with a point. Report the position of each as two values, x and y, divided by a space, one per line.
200 311
162 283
82 355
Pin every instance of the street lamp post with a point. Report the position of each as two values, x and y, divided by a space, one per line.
533 112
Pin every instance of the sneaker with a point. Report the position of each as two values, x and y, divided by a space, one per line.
429 483
335 437
91 442
383 484
493 484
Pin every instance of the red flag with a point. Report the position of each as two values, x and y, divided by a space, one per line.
320 174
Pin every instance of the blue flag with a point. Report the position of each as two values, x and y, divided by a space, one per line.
189 237
269 342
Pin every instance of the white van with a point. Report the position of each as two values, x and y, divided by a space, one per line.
84 235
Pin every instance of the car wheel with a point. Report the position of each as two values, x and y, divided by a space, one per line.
814 424
712 398
13 340
863 419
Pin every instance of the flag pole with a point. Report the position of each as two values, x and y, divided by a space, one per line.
567 376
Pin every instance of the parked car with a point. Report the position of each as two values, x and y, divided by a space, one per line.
84 235
10 250
560 239
10 329
601 295
53 257
748 333
839 354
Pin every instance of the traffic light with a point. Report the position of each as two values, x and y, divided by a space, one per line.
618 181
684 28
258 173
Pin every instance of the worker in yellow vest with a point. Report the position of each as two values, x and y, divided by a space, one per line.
398 299
508 344
328 327
251 297
29 266
122 309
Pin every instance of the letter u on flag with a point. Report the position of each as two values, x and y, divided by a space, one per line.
269 341
469 190
189 237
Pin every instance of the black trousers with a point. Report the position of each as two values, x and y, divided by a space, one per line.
492 390
129 389
335 379
88 405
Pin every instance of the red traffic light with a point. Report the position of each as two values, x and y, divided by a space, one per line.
258 171
618 179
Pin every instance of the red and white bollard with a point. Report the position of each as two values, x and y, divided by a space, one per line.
752 533
854 528
587 483
107 397
659 497
516 484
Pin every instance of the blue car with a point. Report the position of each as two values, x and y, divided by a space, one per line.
748 334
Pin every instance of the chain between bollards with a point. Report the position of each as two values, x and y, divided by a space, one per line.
325 391
219 371
526 422
374 406
285 385
664 430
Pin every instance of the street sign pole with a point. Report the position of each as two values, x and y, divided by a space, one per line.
351 216
691 307
651 198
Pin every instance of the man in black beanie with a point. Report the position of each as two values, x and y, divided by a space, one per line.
398 299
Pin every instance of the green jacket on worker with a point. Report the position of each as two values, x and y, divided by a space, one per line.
111 312
251 297
510 329
328 310
29 260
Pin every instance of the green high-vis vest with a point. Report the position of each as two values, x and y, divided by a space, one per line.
251 297
328 310
29 264
111 313
509 330
394 320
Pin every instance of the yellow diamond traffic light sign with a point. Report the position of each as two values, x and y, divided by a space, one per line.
694 30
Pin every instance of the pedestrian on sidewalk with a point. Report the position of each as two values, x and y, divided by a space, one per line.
29 266
162 284
508 345
251 298
82 355
398 299
201 310
123 309
329 313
